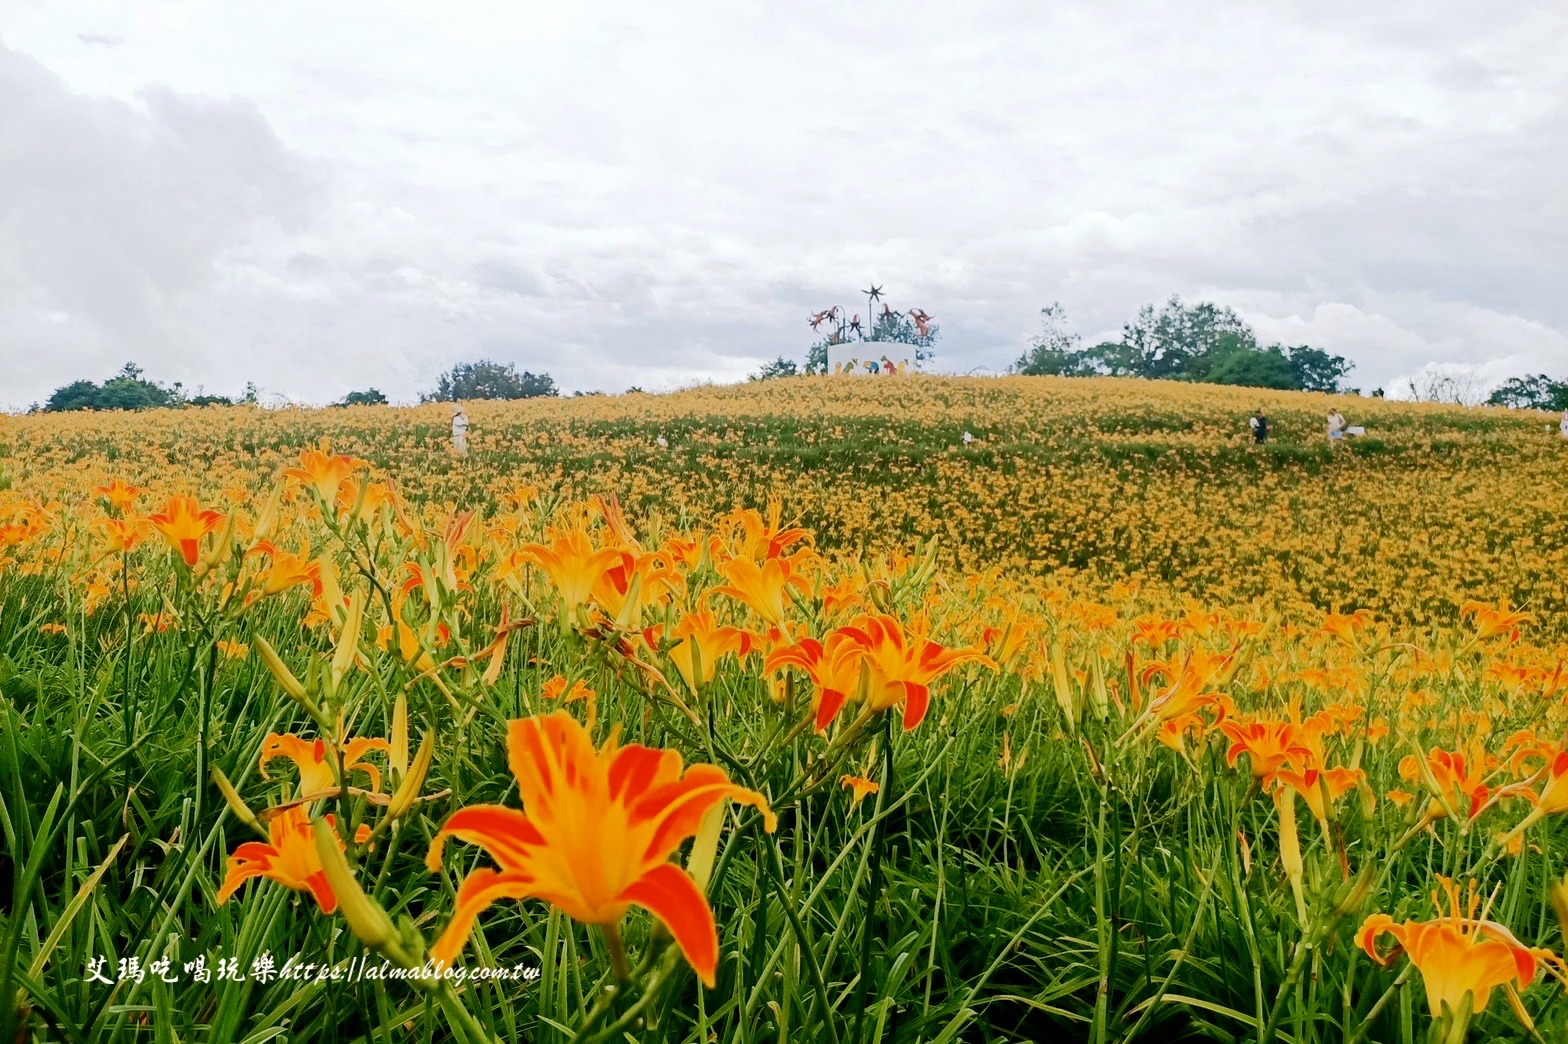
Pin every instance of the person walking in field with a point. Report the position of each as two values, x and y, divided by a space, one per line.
1563 425
459 430
1336 427
1260 427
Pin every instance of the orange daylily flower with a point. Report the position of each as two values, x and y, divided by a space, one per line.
291 859
1345 625
763 539
1461 783
287 569
1494 620
702 642
1457 953
122 534
315 771
834 668
574 565
119 494
594 837
183 524
1552 799
762 587
859 787
904 664
323 472
1267 744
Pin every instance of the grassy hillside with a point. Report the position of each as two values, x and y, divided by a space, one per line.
1104 481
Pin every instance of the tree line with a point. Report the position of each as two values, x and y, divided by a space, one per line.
1202 342
129 389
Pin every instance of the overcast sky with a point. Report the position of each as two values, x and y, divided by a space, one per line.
328 196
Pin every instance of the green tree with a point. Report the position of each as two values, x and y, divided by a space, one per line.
1183 342
1055 351
1253 368
489 380
1317 370
126 390
1534 392
780 367
368 397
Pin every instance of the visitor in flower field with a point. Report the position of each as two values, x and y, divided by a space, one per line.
1562 425
459 430
1336 427
1260 427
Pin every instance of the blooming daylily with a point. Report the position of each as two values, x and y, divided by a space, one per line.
762 539
1552 798
315 771
1267 744
287 569
1457 953
904 664
291 858
323 472
574 565
701 643
858 787
762 587
119 494
1460 783
834 668
1494 620
122 534
183 524
594 836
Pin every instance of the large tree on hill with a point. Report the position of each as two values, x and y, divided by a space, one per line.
126 390
1535 392
489 380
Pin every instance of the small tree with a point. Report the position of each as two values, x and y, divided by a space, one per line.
368 397
1055 351
489 380
780 367
1456 387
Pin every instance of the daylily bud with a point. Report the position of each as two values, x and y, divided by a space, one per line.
1352 894
348 640
280 671
1065 697
880 594
1557 892
221 548
1099 696
241 811
398 758
630 616
409 788
269 514
364 915
705 846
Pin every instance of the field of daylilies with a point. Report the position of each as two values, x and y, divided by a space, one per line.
818 710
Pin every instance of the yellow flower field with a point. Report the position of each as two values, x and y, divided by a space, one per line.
784 711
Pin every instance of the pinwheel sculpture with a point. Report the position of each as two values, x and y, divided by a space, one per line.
887 324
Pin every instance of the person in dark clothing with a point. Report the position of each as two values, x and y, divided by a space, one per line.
1260 427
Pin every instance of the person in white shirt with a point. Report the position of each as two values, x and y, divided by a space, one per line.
1336 426
1563 426
459 431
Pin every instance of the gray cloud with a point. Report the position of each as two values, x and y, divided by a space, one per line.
624 194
